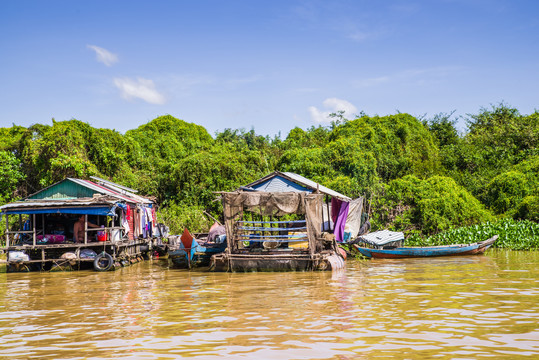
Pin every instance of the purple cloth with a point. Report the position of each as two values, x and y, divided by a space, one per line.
335 209
341 221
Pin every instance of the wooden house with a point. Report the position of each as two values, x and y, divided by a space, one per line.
78 222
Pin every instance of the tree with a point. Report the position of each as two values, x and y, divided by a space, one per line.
10 176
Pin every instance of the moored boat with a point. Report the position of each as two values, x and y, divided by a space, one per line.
391 252
196 251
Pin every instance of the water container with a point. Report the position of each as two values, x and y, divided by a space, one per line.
102 235
115 235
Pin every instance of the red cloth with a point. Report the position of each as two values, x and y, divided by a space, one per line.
335 209
154 216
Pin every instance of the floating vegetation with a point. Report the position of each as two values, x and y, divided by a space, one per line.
514 235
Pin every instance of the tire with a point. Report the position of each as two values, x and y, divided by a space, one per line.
103 262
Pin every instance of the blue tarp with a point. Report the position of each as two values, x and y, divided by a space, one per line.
101 210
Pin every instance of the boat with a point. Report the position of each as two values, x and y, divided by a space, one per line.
262 237
387 245
194 251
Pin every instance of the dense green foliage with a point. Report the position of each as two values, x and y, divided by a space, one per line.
10 175
516 235
430 206
421 175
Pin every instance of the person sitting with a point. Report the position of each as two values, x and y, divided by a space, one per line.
78 229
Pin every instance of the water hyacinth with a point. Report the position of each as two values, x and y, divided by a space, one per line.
514 235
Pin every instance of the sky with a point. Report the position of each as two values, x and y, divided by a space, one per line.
263 65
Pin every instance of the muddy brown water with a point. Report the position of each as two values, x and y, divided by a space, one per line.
439 308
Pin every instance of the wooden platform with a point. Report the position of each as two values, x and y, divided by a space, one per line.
46 257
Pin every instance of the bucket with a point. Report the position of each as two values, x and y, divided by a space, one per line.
115 235
101 236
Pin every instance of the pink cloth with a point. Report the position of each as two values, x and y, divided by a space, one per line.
52 239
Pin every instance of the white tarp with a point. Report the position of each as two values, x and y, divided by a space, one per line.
382 237
353 220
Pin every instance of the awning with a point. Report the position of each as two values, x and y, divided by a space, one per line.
100 210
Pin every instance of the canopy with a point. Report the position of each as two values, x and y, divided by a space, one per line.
101 205
274 204
383 237
109 211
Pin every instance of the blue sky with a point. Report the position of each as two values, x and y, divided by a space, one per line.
267 65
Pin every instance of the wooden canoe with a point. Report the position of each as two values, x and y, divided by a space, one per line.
428 251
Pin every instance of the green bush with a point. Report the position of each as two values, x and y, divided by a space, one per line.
178 216
430 206
528 209
506 192
10 176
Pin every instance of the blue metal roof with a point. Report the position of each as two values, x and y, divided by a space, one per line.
280 184
288 181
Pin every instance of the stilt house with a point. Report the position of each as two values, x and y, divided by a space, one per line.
284 221
77 214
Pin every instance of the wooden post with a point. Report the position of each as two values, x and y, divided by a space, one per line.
34 229
329 215
7 230
86 229
323 225
20 222
43 224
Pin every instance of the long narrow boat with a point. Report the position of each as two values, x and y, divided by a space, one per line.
428 251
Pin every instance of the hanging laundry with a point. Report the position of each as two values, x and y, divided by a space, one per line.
144 223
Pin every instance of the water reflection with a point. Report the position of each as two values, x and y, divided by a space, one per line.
465 307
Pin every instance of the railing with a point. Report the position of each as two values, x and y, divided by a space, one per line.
247 233
12 240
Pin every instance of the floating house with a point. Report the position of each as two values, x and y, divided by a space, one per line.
285 222
76 224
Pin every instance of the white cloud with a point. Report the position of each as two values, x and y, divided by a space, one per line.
140 88
103 55
332 105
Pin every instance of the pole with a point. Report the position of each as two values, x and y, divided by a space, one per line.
34 228
7 230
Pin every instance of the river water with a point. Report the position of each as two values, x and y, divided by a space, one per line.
439 308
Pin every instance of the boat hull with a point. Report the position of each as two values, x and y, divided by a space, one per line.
429 251
199 256
286 262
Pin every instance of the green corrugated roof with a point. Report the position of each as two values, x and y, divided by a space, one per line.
65 189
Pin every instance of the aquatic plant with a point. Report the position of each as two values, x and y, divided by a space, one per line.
513 234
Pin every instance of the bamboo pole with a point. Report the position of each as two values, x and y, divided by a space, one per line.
85 229
7 230
34 229
211 217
